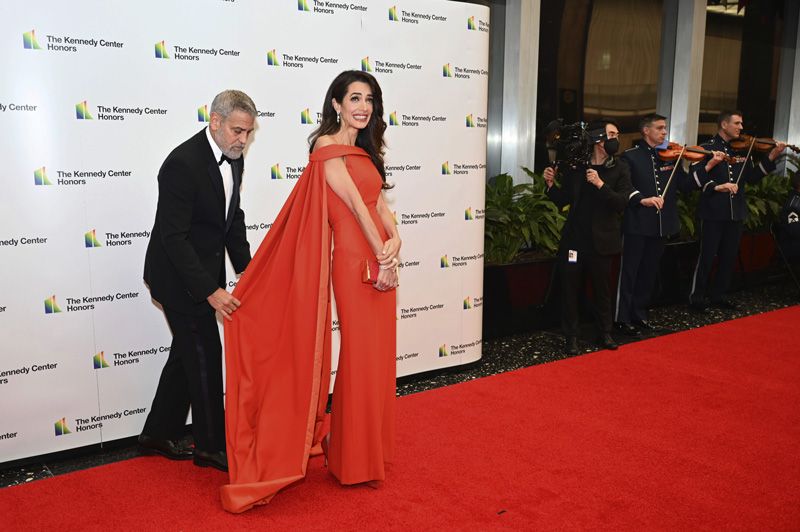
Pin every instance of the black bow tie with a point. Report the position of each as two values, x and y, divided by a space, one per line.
225 158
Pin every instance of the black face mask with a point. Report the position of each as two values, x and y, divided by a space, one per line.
611 146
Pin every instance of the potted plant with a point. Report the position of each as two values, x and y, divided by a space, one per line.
764 201
522 230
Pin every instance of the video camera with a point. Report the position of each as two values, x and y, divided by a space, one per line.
573 145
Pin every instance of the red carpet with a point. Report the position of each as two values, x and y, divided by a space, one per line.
693 431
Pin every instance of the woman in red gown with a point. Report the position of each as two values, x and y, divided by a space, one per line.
277 346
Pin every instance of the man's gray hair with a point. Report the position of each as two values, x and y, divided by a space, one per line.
231 100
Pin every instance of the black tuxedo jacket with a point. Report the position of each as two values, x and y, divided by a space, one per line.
609 203
185 260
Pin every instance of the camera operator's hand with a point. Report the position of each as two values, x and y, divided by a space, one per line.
653 201
731 188
594 178
549 176
718 157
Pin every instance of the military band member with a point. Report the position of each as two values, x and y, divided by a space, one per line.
723 208
650 217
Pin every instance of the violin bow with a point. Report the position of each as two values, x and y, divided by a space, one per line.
669 181
749 151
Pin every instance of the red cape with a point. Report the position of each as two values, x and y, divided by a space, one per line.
277 348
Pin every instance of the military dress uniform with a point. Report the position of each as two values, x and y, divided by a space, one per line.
788 226
722 217
645 229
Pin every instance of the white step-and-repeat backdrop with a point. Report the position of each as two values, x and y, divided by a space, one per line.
95 93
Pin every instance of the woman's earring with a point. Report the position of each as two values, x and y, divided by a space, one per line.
338 117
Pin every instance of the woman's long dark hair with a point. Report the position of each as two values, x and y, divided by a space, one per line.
370 139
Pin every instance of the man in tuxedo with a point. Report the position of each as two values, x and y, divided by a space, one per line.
597 194
198 218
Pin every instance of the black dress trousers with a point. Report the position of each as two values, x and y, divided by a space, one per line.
717 238
192 376
637 276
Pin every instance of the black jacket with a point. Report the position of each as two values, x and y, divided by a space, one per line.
788 226
606 204
185 260
722 206
649 176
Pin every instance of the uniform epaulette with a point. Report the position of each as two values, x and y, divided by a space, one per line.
631 149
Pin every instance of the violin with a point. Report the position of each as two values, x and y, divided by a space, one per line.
691 153
759 144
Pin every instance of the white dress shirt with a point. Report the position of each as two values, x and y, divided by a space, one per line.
226 171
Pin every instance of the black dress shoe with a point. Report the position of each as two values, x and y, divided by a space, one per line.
725 304
571 347
644 325
216 459
627 329
605 340
171 449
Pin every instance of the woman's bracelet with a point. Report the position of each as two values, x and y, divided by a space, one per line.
392 266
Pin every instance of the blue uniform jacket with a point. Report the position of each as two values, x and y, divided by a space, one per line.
649 176
721 206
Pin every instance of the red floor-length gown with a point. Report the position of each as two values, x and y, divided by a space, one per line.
277 348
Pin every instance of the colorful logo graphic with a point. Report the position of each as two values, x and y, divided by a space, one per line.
365 65
302 5
444 262
61 427
275 172
29 41
446 72
82 111
50 305
393 119
161 50
305 116
470 121
272 58
468 214
467 303
202 114
446 168
40 177
393 14
90 239
471 23
443 351
99 360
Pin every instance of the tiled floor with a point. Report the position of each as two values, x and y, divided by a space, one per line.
499 355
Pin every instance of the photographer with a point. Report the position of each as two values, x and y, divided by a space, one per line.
596 186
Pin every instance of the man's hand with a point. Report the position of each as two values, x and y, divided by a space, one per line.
223 302
549 175
653 201
730 188
718 157
777 150
594 178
